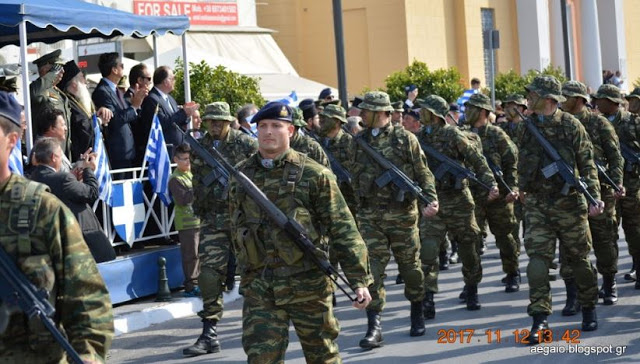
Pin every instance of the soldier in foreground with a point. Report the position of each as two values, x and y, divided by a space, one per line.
279 284
387 223
53 255
211 205
550 214
604 227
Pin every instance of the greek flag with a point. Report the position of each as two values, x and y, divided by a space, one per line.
291 100
158 160
103 175
15 159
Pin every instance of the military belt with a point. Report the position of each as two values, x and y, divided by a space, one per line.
385 205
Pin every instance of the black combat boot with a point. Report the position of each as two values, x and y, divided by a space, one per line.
373 337
631 276
444 260
207 342
572 306
454 258
589 319
463 294
540 324
472 298
399 279
512 282
610 296
429 306
417 319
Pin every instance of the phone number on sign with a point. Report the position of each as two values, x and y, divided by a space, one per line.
497 336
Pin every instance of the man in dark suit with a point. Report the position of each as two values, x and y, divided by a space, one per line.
119 137
75 194
141 75
168 111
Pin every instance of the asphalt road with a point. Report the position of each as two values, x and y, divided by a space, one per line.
454 336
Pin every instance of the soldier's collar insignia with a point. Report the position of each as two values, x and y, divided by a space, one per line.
267 163
375 132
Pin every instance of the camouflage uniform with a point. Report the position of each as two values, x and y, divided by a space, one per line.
307 145
550 215
606 151
54 257
211 205
456 214
278 283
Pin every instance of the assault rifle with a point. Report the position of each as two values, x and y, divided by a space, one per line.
294 230
602 172
219 173
17 290
341 173
391 173
558 166
448 165
630 156
497 172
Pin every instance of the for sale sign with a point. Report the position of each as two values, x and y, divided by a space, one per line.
199 12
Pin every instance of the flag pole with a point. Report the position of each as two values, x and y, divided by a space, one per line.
144 160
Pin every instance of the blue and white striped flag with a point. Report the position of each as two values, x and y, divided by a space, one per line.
15 159
103 175
291 100
158 160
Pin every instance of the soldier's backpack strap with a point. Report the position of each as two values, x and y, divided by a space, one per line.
25 202
293 172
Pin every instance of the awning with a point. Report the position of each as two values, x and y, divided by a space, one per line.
53 20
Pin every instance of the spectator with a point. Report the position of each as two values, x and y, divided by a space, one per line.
475 88
616 79
354 124
120 142
53 125
412 93
140 75
169 113
196 123
187 224
354 110
411 121
74 85
74 194
244 116
325 95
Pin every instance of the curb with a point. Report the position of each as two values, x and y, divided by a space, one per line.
162 312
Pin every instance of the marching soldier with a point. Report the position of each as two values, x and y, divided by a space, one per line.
306 144
212 206
627 126
386 223
279 284
551 215
604 227
500 152
456 214
634 107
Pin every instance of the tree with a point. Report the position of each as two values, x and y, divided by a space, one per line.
511 82
446 83
210 84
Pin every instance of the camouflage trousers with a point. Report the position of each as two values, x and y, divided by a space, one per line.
502 222
455 216
266 318
629 213
563 218
395 230
213 252
604 234
518 212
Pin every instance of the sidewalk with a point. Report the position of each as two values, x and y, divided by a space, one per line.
142 313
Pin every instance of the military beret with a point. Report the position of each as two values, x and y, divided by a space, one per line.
608 91
71 70
326 92
410 88
10 108
275 110
49 58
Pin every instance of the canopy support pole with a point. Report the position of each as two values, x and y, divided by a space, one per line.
25 83
155 51
187 82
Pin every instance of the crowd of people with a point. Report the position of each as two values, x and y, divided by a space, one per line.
559 161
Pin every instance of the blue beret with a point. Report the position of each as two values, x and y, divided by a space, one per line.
274 110
9 107
324 93
306 103
410 88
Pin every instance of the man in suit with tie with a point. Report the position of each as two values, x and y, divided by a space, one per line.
168 111
119 136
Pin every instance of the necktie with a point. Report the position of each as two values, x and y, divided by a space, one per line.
166 99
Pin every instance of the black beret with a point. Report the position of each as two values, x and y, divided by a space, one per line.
274 110
410 88
10 108
324 93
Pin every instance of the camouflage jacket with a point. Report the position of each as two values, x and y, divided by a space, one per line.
570 139
513 130
453 143
340 148
401 148
627 126
211 203
309 146
497 147
606 147
58 261
307 192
